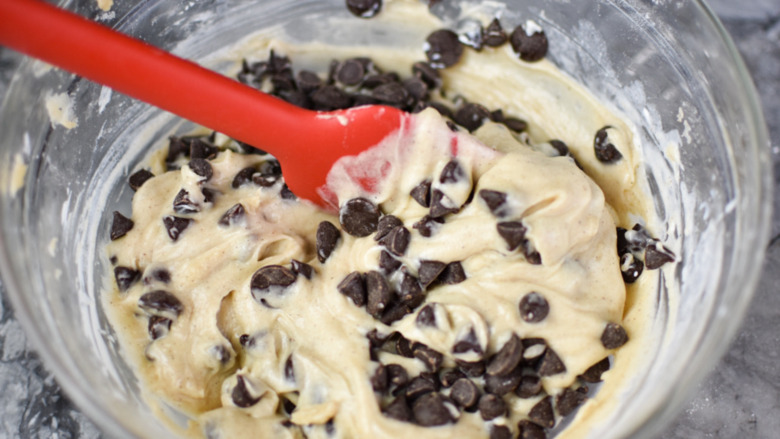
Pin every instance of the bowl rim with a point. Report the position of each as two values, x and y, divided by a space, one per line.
71 382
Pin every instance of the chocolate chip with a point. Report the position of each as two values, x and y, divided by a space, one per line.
288 407
429 271
635 240
452 172
328 236
139 178
359 217
397 240
422 193
289 369
494 34
177 147
491 406
175 225
500 432
416 88
507 358
496 202
418 387
529 47
428 356
532 256
286 194
514 124
399 409
530 386
411 292
183 204
307 81
158 327
550 363
427 73
364 8
388 263
302 268
378 293
441 204
656 256
428 225
534 308
208 195
396 375
529 430
542 413
243 177
202 168
158 275
614 336
161 302
568 401
426 318
513 233
385 225
391 93
448 377
465 393
471 368
468 344
350 72
200 149
631 268
593 373
379 380
453 273
471 116
373 81
354 287
241 396
330 97
403 346
232 216
503 384
605 151
375 339
559 146
443 48
430 410
125 277
120 226
269 282
278 63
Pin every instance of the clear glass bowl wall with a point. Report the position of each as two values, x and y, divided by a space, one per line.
652 62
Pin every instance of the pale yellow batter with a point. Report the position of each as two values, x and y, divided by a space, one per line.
308 343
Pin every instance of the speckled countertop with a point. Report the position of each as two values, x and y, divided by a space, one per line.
740 398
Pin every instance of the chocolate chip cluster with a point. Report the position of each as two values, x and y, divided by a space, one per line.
638 250
161 305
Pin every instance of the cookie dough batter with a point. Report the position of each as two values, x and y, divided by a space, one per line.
474 290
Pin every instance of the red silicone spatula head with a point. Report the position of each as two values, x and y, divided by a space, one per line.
307 143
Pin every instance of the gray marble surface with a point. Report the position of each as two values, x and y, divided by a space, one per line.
739 398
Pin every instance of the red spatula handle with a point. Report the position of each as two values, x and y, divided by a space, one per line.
149 74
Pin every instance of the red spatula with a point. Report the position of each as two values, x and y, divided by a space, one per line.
307 143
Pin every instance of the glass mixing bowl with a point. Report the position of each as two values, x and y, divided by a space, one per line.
669 66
